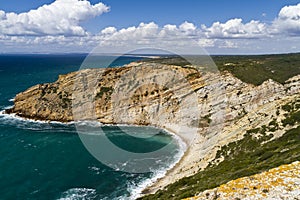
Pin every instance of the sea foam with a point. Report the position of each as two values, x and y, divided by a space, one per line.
136 190
78 193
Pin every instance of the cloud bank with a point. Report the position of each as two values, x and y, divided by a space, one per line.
62 17
59 25
288 21
235 28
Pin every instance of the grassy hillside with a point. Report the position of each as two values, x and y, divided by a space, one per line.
249 155
254 69
257 69
244 157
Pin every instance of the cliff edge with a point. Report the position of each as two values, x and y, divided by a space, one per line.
227 109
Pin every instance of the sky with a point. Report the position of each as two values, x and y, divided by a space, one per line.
117 26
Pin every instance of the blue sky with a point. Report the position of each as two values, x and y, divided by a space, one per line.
130 13
217 25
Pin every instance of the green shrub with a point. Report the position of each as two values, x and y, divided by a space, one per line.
104 90
249 156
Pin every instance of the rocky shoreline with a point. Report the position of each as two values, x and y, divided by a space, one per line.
142 94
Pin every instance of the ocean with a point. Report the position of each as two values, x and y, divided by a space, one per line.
47 160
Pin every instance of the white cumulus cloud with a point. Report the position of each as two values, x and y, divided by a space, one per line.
109 30
151 33
62 17
188 28
288 21
57 27
235 28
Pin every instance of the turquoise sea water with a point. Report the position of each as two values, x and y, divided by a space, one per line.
48 160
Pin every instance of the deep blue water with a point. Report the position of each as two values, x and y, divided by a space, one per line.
48 160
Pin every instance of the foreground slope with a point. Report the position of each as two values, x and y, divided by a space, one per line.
282 182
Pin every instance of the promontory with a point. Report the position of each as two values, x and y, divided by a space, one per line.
245 115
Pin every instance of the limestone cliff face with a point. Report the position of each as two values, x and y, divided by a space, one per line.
133 94
49 101
142 88
218 108
233 107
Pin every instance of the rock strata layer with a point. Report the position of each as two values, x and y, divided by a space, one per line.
217 108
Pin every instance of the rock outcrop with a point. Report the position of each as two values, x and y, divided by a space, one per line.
282 182
217 107
142 87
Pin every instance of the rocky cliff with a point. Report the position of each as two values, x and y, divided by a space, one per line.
149 85
218 107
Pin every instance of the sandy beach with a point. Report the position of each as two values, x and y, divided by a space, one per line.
186 166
